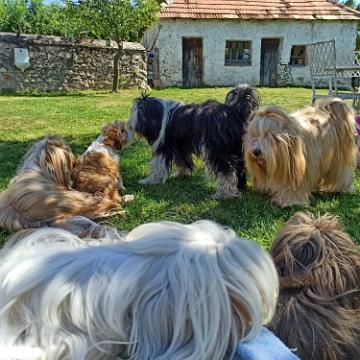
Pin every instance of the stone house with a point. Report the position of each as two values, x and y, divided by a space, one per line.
225 42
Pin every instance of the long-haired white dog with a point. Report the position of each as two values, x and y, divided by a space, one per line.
41 195
290 156
166 291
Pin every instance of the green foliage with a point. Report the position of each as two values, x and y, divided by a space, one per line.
44 19
13 16
30 16
119 20
352 4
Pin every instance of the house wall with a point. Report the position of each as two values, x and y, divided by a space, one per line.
168 41
63 64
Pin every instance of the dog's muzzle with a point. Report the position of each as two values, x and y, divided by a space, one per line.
259 158
130 134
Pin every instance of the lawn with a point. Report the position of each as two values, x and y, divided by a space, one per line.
78 118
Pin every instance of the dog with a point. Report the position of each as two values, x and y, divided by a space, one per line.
97 171
164 291
357 135
291 156
318 312
41 193
211 130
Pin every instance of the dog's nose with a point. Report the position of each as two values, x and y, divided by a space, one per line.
257 152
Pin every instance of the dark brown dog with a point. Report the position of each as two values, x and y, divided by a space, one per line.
318 312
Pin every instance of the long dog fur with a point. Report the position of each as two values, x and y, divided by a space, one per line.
166 291
41 194
291 156
97 171
210 130
318 312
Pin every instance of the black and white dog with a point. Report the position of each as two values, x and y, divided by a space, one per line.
211 130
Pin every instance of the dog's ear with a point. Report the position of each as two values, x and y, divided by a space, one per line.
114 135
108 135
275 112
57 161
144 94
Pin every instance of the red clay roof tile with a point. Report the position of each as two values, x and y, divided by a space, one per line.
266 9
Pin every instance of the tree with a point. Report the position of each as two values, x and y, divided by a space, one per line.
30 16
351 3
119 20
44 19
13 16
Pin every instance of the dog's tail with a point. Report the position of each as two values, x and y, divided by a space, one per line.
245 99
10 218
341 115
342 119
53 157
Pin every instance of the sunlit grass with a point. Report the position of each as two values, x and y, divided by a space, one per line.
78 118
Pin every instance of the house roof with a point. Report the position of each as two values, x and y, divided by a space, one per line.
251 10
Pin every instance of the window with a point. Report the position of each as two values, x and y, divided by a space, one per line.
237 53
298 55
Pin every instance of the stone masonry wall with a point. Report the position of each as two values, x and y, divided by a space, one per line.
284 75
59 64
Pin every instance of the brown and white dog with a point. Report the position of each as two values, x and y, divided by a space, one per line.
97 171
41 194
291 156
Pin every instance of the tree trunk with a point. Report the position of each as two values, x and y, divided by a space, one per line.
117 63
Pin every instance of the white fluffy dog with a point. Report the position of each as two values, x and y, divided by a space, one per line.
290 156
166 291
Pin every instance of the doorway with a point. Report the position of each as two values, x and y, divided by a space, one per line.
269 62
192 62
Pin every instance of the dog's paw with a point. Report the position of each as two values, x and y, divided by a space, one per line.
349 189
286 203
181 173
224 196
128 198
148 180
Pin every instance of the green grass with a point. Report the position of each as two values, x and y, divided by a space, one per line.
78 118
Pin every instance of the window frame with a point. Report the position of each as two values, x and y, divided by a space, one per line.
294 58
237 45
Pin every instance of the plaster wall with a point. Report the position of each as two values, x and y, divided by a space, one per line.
167 38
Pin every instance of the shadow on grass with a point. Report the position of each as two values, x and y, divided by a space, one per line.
11 154
251 215
52 93
190 199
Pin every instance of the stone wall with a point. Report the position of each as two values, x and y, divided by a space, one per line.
284 75
62 64
167 37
